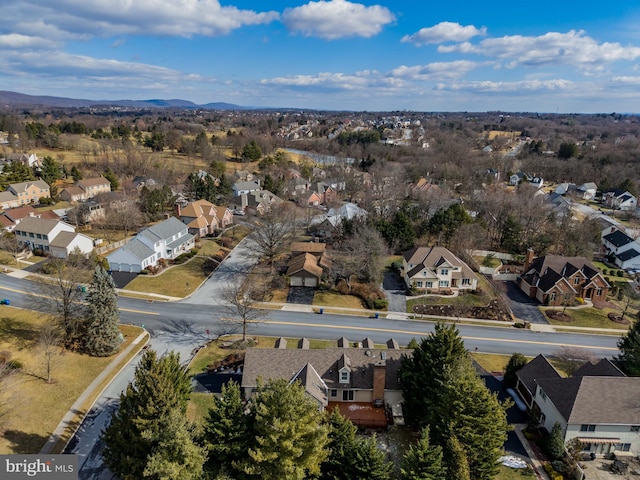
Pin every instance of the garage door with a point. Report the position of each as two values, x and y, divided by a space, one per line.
296 281
310 282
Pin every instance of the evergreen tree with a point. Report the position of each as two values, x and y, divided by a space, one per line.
160 388
113 179
175 454
516 362
226 431
251 152
75 173
102 336
349 456
290 440
555 442
423 461
423 375
629 345
456 461
51 170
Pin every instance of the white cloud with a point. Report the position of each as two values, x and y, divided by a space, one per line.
573 48
436 70
528 86
18 41
337 19
626 80
444 32
117 17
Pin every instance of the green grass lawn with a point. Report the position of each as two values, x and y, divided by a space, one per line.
36 407
208 247
177 281
337 300
198 407
588 317
506 473
491 362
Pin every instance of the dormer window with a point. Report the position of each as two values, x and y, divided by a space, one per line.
576 280
444 271
344 375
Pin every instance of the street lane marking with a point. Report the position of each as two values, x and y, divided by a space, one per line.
138 311
409 332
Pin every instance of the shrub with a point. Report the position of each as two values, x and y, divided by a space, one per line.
380 304
226 242
48 268
605 271
144 271
14 364
620 273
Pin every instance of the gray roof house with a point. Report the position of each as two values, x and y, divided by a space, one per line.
53 237
344 377
436 268
625 250
165 240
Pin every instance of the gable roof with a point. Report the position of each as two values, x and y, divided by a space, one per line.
548 270
580 400
432 258
165 229
304 262
22 186
628 255
63 239
19 213
274 363
198 208
312 383
618 238
537 368
603 368
308 247
93 182
37 225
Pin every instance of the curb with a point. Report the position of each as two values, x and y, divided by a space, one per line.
70 416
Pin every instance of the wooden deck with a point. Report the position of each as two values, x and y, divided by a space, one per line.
363 414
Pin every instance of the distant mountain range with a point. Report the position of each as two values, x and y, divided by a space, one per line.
14 99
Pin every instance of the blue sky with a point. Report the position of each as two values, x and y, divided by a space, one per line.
545 56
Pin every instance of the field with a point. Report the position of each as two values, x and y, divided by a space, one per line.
35 407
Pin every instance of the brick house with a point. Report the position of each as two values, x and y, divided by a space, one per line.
554 279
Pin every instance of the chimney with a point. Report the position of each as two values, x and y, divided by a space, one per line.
379 380
177 208
528 259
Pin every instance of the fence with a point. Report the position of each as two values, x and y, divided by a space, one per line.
499 255
111 246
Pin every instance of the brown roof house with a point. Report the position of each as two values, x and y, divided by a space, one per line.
435 269
358 381
307 263
200 217
94 186
555 279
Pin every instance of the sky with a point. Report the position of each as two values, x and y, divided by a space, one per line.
563 56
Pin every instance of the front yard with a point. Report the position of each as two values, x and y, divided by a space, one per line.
587 317
35 406
176 281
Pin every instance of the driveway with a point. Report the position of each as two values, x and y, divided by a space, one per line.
395 292
301 295
523 307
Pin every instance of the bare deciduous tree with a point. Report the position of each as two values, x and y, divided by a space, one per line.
571 358
50 344
272 232
242 308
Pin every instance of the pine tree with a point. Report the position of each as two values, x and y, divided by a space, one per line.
423 461
349 456
555 442
516 362
226 432
629 345
175 454
160 388
423 374
290 439
456 460
102 335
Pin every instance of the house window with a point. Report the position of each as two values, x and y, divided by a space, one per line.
419 284
38 236
623 447
587 428
635 428
466 281
444 271
552 297
30 235
443 283
334 392
598 292
344 376
428 284
347 395
576 280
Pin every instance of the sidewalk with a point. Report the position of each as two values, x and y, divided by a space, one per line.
537 465
71 416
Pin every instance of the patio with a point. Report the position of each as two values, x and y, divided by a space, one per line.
363 414
599 469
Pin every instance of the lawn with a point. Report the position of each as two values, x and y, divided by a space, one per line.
491 362
208 247
588 317
198 406
506 473
176 281
337 300
36 407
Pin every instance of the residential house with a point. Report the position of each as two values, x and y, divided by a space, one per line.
587 191
556 280
53 237
201 217
73 193
225 217
13 216
242 188
435 269
326 192
518 178
165 240
256 202
356 380
329 223
596 405
620 200
94 186
307 264
622 249
8 200
27 159
30 192
243 176
564 188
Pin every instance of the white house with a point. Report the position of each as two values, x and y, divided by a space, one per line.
588 190
242 188
165 240
620 200
54 237
436 268
624 249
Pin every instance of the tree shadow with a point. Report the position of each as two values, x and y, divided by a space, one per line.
19 333
23 442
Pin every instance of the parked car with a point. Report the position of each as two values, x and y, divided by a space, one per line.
5 301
